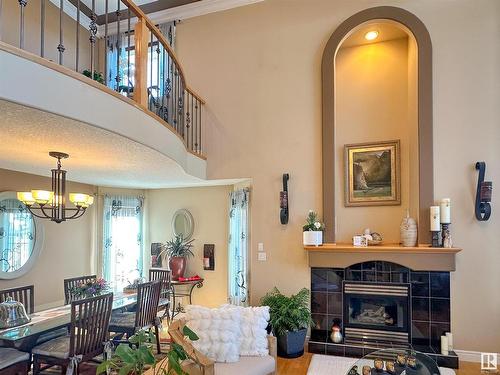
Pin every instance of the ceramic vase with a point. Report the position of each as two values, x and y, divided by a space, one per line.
177 267
336 336
408 231
312 237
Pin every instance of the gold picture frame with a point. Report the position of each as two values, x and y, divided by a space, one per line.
372 174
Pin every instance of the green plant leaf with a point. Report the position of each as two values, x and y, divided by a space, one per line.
146 355
186 331
125 353
125 370
173 362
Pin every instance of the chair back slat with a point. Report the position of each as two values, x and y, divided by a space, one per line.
148 297
69 284
23 294
89 325
166 277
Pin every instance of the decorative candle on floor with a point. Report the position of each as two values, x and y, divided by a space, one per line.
435 219
445 210
444 345
449 335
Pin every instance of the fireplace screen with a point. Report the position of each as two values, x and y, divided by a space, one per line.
376 306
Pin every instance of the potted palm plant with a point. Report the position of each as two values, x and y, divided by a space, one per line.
313 230
178 250
290 319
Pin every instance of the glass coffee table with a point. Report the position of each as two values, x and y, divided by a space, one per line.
395 362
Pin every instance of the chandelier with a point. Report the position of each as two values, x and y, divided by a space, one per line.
52 204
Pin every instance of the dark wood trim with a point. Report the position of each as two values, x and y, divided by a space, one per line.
426 178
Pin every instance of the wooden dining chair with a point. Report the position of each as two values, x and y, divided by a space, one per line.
14 362
69 284
23 294
128 323
88 332
165 277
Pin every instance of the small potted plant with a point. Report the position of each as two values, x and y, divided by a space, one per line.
90 288
178 250
313 230
290 319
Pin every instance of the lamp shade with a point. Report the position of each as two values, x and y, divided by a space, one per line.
26 197
42 196
79 199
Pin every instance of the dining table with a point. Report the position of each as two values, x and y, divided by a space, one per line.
45 322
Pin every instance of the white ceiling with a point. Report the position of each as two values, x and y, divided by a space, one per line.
386 31
97 156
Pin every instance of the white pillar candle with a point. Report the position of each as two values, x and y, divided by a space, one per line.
444 345
445 210
435 219
449 335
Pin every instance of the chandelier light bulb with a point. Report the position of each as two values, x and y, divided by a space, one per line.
42 196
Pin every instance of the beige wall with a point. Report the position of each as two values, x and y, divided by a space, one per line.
66 249
209 207
259 66
372 105
10 26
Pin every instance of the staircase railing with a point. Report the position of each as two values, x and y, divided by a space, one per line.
123 49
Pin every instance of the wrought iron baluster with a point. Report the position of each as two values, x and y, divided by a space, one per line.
42 28
163 81
77 34
128 53
106 43
196 135
159 109
118 46
60 46
151 96
200 135
92 38
22 5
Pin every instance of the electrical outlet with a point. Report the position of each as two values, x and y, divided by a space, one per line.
262 257
260 246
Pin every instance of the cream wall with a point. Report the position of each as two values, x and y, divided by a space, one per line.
258 67
209 207
372 105
66 249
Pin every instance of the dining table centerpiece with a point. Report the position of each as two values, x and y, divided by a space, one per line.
90 288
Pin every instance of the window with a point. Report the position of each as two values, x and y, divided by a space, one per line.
122 240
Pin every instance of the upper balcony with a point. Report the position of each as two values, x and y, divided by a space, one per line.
104 66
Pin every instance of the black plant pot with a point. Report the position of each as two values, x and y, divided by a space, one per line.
291 345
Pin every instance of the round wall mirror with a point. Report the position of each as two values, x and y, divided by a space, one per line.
20 241
183 224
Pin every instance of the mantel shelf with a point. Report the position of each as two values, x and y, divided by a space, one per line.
384 249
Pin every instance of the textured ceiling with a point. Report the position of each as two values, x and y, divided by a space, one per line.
97 156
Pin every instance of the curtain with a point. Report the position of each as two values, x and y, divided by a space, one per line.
17 237
238 247
122 239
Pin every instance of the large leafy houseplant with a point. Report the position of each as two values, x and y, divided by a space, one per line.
138 356
178 250
290 317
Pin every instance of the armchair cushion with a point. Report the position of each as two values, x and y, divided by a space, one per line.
218 331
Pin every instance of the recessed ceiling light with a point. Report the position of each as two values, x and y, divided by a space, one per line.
371 35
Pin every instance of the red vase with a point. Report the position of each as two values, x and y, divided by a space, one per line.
177 267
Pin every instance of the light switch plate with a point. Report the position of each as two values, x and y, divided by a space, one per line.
260 246
262 257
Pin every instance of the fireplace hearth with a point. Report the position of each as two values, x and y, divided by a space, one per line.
380 304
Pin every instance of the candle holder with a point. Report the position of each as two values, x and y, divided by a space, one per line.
446 235
435 239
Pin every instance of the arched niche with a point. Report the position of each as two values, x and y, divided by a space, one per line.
424 87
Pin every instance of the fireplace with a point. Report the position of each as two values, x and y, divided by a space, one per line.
376 313
379 304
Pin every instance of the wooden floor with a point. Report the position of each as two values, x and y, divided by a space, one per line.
298 366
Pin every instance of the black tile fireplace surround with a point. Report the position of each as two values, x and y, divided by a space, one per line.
427 314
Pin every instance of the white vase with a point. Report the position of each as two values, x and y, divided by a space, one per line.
312 237
409 231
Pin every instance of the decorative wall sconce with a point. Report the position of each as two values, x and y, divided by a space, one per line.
284 200
483 194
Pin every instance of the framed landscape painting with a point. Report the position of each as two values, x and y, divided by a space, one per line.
372 172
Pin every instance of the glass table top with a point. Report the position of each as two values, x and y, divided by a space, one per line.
395 362
51 319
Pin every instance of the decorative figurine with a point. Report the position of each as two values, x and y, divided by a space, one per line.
408 230
447 242
401 360
353 370
367 370
336 335
412 361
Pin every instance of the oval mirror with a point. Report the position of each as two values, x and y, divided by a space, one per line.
183 224
20 242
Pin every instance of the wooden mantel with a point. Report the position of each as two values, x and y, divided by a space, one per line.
417 258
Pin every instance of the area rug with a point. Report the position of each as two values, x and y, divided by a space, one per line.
332 365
